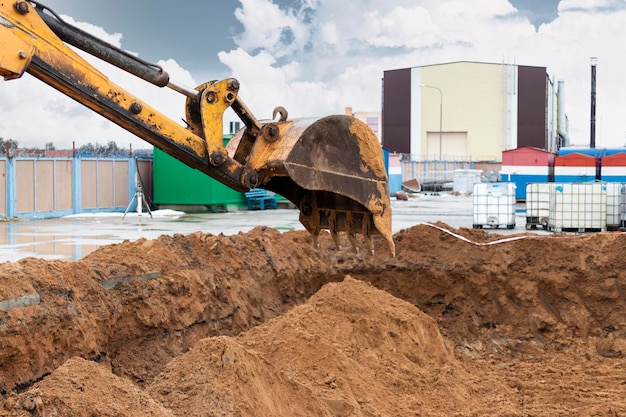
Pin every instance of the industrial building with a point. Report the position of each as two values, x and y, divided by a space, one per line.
471 111
461 116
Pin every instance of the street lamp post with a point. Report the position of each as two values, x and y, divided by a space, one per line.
440 114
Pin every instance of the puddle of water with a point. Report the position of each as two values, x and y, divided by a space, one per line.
74 237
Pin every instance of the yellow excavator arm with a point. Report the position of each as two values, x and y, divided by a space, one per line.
331 168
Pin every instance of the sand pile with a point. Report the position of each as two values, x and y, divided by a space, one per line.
350 350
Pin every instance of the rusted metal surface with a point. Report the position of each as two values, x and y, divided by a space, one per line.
332 169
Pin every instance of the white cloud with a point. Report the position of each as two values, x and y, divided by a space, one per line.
583 5
323 55
352 43
565 46
114 39
329 33
34 113
270 28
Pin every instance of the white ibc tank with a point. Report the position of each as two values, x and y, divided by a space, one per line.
463 180
614 196
577 207
537 204
494 205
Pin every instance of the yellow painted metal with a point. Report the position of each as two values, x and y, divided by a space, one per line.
215 98
15 54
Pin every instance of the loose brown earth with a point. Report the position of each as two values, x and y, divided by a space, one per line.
263 324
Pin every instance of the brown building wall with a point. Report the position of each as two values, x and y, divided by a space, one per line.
63 182
145 171
121 183
532 107
3 187
25 186
89 184
44 185
41 185
105 184
396 135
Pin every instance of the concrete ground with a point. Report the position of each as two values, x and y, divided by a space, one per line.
73 237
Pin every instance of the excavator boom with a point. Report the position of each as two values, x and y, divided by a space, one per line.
330 168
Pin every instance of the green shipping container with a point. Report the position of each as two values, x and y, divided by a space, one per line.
177 184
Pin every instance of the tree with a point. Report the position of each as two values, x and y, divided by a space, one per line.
3 145
49 146
110 148
88 147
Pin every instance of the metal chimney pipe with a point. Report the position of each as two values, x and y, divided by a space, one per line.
592 140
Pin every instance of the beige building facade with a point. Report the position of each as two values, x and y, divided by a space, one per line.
467 111
478 131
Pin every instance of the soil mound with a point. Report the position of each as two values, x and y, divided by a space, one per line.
81 388
220 376
460 322
350 350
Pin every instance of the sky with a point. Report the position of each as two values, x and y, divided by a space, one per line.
316 57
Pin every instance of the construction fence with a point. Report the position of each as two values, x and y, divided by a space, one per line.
39 188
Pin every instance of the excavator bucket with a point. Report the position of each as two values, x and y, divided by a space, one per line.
331 168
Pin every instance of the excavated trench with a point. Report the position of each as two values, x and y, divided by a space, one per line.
251 325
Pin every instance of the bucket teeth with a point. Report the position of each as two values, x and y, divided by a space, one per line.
369 243
332 227
352 239
335 237
351 232
316 239
367 232
337 221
